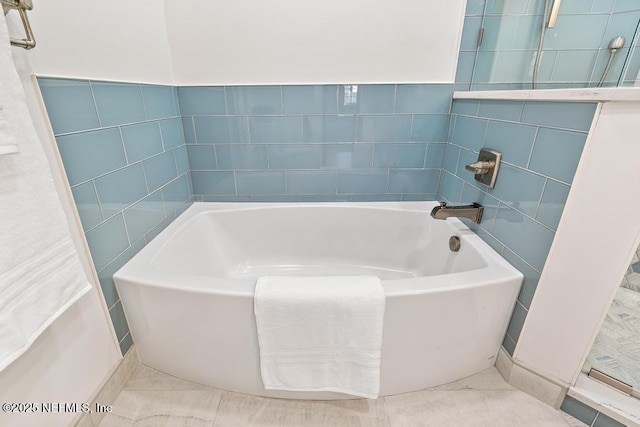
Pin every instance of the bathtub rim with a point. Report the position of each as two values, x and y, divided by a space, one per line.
139 268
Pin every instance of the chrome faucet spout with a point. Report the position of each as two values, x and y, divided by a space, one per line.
473 211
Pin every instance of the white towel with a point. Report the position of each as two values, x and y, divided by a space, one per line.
40 271
10 89
320 333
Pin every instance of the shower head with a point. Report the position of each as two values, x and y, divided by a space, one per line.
616 43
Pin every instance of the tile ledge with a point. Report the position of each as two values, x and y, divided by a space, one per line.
574 95
603 398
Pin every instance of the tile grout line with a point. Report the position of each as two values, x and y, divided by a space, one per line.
131 204
164 148
95 189
95 104
521 123
120 168
215 413
533 144
544 188
386 410
101 127
520 167
144 104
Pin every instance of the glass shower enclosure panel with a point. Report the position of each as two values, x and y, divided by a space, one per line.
507 47
616 350
631 72
514 50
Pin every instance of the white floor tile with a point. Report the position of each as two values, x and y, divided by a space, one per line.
152 398
243 410
573 422
195 408
145 378
489 379
469 408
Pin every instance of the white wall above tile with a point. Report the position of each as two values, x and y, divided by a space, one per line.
331 41
247 41
98 40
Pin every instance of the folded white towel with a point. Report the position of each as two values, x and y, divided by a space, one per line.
40 272
320 333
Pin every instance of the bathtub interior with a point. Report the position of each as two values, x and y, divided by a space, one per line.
247 243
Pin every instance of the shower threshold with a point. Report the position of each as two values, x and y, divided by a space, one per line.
605 399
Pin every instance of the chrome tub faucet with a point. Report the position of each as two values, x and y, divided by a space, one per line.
473 211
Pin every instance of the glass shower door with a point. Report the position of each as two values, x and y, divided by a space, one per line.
514 51
631 71
616 350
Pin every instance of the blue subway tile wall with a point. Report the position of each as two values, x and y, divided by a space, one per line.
124 153
541 143
316 142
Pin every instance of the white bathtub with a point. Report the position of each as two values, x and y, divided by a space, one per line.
188 295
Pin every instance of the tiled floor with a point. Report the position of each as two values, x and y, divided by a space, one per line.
151 398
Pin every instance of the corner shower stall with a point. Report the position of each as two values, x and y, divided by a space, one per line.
547 44
559 44
616 350
565 44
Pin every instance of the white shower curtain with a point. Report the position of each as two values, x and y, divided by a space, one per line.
40 271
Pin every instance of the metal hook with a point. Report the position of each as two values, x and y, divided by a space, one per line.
21 6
